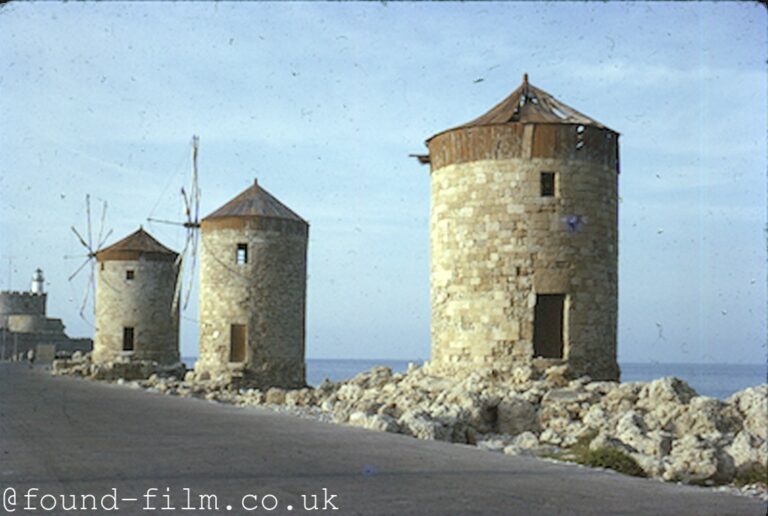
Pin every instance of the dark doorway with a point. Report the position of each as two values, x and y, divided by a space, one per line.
548 326
237 343
128 339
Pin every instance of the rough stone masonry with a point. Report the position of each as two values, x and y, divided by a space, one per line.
524 239
253 276
135 316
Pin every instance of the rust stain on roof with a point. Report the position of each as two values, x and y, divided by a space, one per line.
135 245
255 201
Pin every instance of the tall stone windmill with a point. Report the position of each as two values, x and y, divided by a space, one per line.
253 274
524 238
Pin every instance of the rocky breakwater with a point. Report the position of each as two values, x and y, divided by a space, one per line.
664 426
661 429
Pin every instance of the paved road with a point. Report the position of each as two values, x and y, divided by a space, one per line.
70 436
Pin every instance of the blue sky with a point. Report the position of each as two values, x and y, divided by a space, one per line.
324 102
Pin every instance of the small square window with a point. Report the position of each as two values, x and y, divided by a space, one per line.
129 274
547 184
242 254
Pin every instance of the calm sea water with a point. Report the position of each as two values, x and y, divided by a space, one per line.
716 380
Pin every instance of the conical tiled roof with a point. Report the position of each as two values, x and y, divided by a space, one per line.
133 246
255 202
528 104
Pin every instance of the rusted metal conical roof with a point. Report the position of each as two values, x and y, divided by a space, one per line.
529 104
255 201
133 246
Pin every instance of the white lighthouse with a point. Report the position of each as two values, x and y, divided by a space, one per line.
38 282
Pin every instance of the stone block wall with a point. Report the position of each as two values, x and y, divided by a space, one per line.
496 244
143 303
20 303
35 324
19 343
267 295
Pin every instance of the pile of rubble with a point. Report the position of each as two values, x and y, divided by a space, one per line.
671 432
80 364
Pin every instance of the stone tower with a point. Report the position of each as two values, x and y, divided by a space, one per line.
253 277
524 238
24 325
136 279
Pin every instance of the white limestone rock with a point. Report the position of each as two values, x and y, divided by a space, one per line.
373 379
652 467
549 436
663 416
382 423
358 418
419 425
707 415
596 418
573 432
522 374
557 375
526 441
752 404
622 398
349 392
328 403
747 450
694 460
665 390
631 430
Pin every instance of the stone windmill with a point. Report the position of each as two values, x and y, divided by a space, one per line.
524 238
136 281
253 273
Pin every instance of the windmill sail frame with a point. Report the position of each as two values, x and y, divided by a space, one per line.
191 201
90 256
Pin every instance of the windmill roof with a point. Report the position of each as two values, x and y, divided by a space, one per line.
131 247
529 104
255 201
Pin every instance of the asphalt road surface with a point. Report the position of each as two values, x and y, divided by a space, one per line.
66 436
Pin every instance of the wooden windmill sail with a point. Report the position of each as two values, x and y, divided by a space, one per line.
88 243
192 225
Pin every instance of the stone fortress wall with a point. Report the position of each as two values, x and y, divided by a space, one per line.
34 324
267 295
20 303
497 243
24 326
143 303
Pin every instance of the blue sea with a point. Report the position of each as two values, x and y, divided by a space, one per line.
716 380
